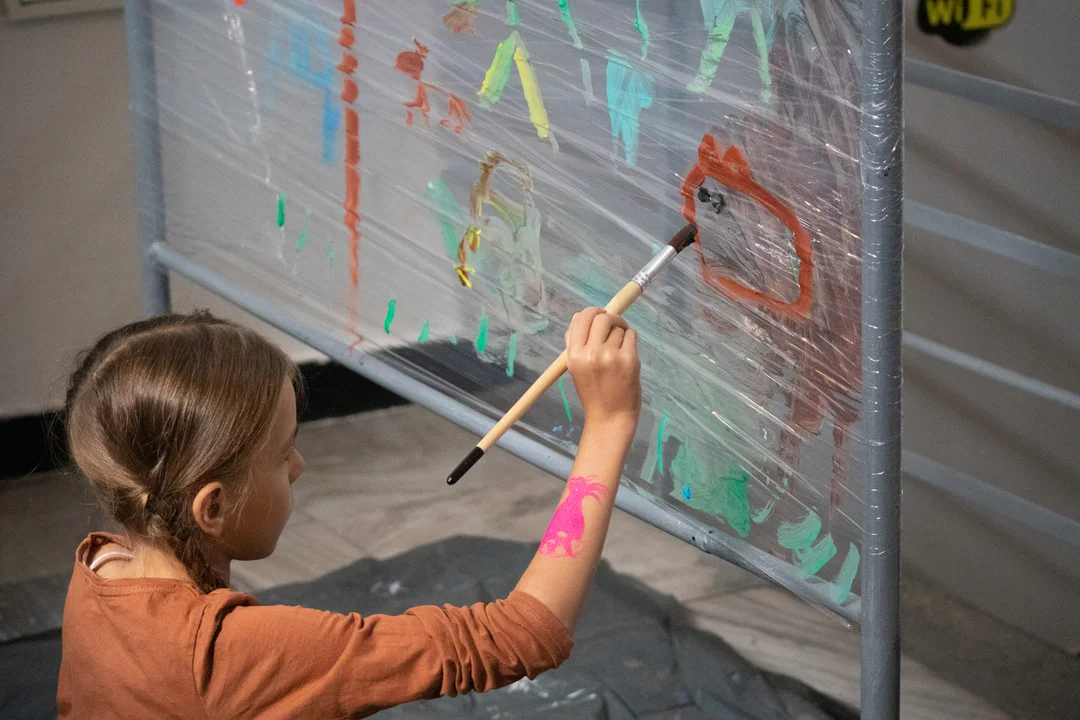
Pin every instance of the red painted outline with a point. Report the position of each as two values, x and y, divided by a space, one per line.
349 93
732 170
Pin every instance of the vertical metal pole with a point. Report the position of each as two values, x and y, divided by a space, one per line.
882 257
146 140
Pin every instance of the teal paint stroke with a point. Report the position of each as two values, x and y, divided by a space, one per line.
511 355
841 590
391 310
281 209
330 256
425 332
764 46
629 91
643 29
661 428
302 240
565 402
564 11
799 537
447 214
482 334
453 339
511 13
763 514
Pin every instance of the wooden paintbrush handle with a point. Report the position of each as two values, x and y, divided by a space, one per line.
618 305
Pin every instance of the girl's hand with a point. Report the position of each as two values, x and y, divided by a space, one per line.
602 357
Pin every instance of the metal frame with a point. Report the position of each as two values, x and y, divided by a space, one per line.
878 607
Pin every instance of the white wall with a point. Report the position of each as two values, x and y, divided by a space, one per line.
69 269
69 273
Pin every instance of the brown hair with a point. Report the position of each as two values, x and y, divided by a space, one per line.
158 408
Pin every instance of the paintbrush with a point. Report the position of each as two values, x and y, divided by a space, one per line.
618 305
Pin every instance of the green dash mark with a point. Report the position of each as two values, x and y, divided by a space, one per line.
453 339
565 402
482 334
511 13
842 589
425 332
564 11
660 442
391 308
811 560
511 355
643 29
302 240
281 209
330 256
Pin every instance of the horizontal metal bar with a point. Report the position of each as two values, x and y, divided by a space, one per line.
992 371
991 499
1048 108
991 239
557 463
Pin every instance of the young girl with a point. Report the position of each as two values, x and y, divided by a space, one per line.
185 426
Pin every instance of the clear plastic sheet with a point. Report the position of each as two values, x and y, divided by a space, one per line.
448 182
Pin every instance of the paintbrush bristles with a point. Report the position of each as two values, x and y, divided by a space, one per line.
684 238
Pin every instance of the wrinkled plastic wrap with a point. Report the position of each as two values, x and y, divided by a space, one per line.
449 182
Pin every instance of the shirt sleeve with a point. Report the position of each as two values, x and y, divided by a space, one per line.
276 661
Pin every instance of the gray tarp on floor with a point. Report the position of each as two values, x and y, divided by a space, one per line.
634 656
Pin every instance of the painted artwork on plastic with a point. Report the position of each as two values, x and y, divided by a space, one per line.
446 183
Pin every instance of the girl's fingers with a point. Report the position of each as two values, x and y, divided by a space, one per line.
601 328
617 336
630 341
578 334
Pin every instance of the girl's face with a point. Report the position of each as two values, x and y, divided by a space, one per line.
253 530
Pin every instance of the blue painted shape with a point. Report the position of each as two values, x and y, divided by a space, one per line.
301 37
629 91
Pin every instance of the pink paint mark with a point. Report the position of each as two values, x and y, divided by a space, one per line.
568 524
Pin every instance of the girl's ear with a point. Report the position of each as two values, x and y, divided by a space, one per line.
208 507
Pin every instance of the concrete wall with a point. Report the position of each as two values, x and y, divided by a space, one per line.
69 273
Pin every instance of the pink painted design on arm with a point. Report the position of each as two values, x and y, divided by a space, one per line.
568 523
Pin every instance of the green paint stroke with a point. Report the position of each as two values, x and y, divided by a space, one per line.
281 210
726 498
499 73
447 213
302 240
565 402
799 538
660 429
564 11
511 355
796 536
719 25
763 514
482 334
391 309
425 332
453 339
511 13
763 55
330 255
842 589
643 29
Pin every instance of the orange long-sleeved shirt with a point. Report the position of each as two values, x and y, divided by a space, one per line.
162 648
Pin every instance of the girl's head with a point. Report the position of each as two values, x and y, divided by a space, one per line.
185 426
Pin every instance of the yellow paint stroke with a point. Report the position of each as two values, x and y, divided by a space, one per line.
537 112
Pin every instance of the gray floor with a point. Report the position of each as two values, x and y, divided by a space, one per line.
374 488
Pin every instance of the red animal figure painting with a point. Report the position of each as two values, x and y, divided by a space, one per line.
411 62
568 524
